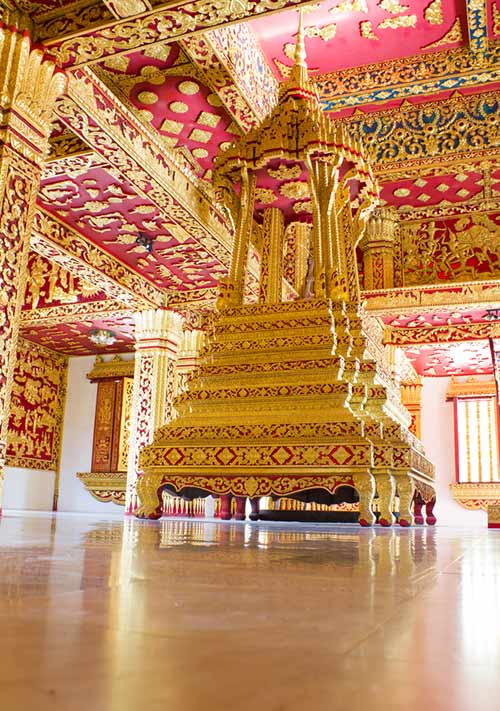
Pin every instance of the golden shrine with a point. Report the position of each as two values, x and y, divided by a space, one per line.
293 397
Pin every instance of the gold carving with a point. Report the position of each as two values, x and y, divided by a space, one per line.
189 88
265 195
393 6
199 135
117 367
208 119
366 30
36 408
178 107
147 97
433 13
394 23
285 172
296 395
105 486
350 6
297 189
326 33
453 36
476 497
472 387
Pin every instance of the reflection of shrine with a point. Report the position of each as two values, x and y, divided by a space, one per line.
293 399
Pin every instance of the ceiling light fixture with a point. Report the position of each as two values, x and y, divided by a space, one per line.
145 241
102 337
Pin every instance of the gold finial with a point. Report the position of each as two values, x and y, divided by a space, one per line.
300 47
299 75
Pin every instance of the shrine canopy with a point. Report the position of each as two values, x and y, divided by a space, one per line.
283 148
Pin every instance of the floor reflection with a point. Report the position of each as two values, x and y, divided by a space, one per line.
112 614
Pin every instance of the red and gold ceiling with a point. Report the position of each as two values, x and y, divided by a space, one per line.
155 93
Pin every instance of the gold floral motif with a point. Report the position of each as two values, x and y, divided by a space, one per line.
326 32
476 497
393 6
105 487
433 13
394 23
366 30
265 195
298 189
285 172
453 36
147 97
350 6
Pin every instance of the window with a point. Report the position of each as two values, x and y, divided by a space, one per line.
476 445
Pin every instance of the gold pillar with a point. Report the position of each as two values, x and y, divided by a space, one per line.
29 85
378 246
271 265
297 240
242 239
158 333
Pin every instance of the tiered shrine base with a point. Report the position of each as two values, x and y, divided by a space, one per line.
288 402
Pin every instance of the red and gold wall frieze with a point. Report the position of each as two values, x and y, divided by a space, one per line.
36 408
485 294
441 334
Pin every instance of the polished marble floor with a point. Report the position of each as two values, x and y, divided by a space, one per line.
104 615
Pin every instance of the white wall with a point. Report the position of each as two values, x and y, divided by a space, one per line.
438 438
28 489
78 433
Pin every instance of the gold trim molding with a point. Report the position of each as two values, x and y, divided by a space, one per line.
114 368
471 388
105 486
476 496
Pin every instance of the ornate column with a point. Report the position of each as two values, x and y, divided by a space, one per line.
158 333
378 245
271 265
386 490
29 85
365 486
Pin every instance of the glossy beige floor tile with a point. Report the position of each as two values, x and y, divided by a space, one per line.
111 615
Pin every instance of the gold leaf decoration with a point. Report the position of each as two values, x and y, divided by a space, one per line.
147 97
453 36
285 172
327 32
496 20
199 135
189 88
178 107
171 126
433 13
302 206
394 23
264 195
350 6
283 69
296 189
208 119
289 50
366 30
158 51
393 6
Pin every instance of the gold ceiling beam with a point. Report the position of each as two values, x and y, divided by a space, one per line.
72 313
420 335
83 36
433 298
127 8
247 95
72 251
97 116
405 77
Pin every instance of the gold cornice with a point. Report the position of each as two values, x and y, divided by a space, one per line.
441 334
435 297
105 486
114 368
476 497
71 313
470 388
